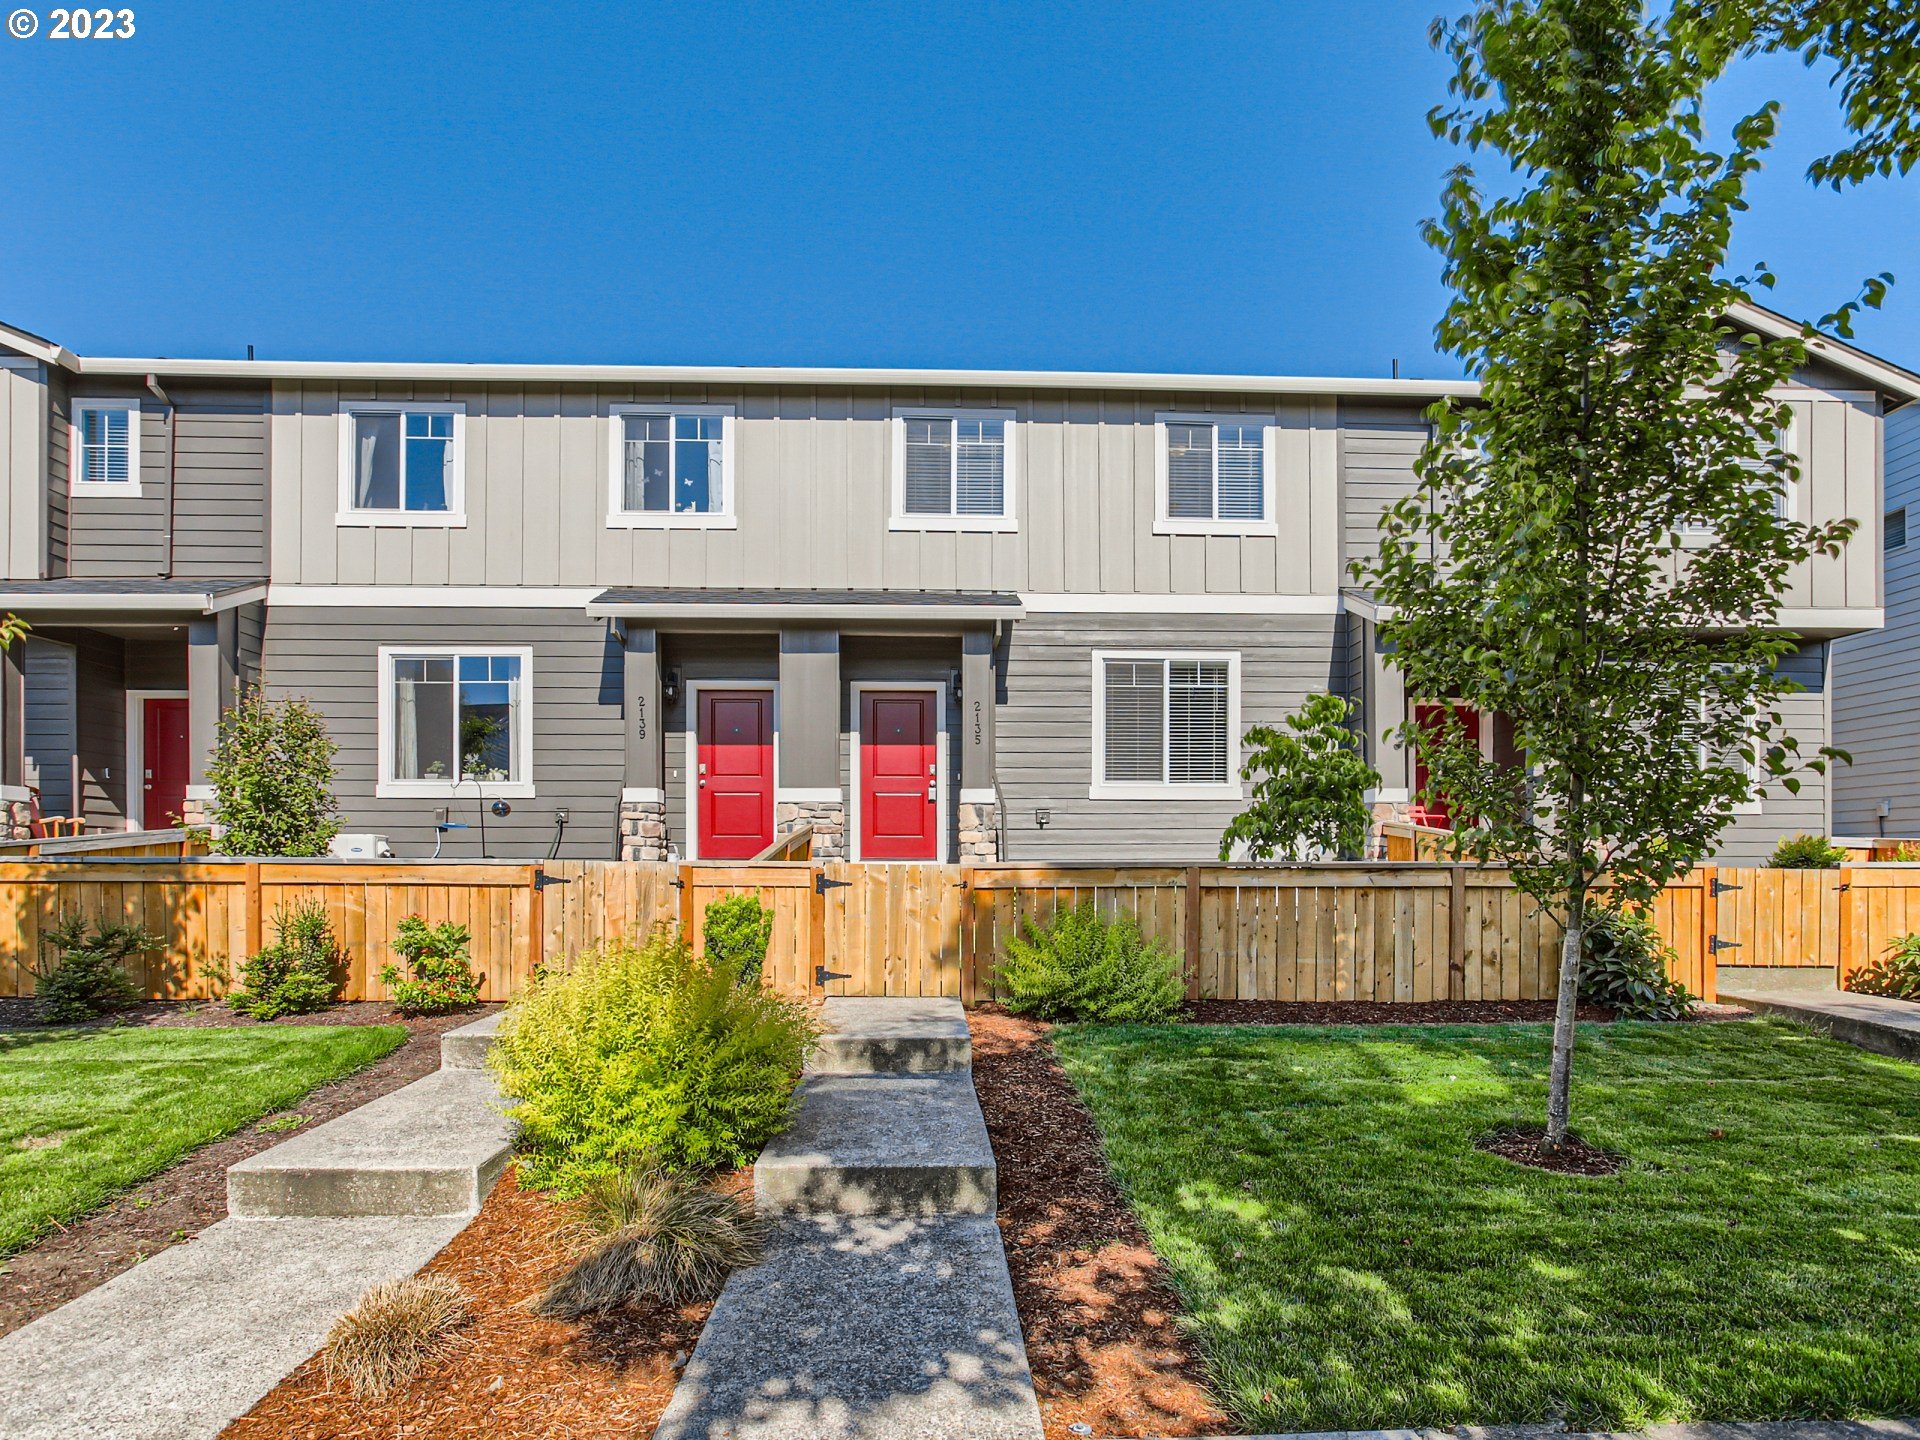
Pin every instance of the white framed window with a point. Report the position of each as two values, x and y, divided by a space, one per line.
403 463
954 469
1786 501
455 719
1215 474
671 465
1166 725
104 448
1756 770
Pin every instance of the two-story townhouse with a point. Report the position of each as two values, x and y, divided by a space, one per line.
660 611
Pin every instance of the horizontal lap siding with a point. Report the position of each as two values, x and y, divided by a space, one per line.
1377 451
125 535
1750 839
220 488
330 656
1044 729
1876 698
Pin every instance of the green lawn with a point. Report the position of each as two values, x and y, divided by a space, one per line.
1351 1261
84 1114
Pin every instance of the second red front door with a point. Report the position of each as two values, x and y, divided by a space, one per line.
899 775
734 774
163 763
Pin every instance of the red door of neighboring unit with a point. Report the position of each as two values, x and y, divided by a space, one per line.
735 779
163 761
1436 810
899 776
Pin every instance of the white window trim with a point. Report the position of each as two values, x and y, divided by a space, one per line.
390 786
691 789
1104 789
127 489
1165 524
619 518
1699 537
942 760
136 782
454 517
1007 522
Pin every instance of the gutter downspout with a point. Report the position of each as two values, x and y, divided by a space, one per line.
172 424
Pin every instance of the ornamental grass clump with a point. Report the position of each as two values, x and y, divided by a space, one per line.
397 1327
648 1235
1080 967
646 1055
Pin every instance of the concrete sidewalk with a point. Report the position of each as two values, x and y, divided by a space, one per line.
1887 1027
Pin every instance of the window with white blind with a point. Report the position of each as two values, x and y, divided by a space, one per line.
105 443
1698 535
1166 725
672 465
1893 530
402 463
1214 475
953 469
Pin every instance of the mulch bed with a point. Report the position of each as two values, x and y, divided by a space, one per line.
1099 1310
1526 1145
514 1375
187 1197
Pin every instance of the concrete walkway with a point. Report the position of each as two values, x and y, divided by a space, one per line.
1887 1027
883 1307
184 1343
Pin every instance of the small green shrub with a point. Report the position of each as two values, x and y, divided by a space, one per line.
1080 967
737 929
1624 965
1895 974
272 778
439 975
1907 851
295 974
88 976
1806 852
643 1055
652 1236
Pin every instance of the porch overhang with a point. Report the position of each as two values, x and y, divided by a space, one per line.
140 600
776 607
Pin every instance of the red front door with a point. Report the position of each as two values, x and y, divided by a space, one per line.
163 761
899 776
1435 810
735 773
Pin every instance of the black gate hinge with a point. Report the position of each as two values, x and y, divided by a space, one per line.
1715 945
821 884
1721 887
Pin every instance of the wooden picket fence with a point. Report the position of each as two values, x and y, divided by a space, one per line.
1399 933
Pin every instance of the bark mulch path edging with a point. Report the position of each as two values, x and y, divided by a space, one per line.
1099 1311
191 1194
512 1375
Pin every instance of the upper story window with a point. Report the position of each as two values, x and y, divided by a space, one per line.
1698 535
455 717
402 463
1214 475
1893 534
106 447
953 469
672 465
1166 725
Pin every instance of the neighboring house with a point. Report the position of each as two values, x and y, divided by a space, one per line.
651 610
1876 676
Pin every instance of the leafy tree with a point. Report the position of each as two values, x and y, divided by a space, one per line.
272 779
1595 547
1310 786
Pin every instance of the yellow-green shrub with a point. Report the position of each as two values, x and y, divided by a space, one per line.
646 1055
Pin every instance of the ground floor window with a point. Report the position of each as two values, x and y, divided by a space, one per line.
451 717
1166 724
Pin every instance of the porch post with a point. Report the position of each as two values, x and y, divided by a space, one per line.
979 800
15 812
806 782
643 795
213 681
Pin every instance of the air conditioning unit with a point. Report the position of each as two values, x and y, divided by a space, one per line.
360 847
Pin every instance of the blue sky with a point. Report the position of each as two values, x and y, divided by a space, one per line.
1085 186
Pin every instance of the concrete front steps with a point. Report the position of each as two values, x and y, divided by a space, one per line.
883 1307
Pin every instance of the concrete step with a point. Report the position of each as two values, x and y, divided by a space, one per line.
886 1036
880 1145
466 1048
863 1329
434 1147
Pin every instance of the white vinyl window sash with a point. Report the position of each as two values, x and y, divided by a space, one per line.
1166 726
671 466
1702 534
1215 475
454 720
401 464
953 469
106 447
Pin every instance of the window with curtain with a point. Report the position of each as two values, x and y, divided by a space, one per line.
1216 471
403 461
457 716
107 439
953 466
672 464
1166 721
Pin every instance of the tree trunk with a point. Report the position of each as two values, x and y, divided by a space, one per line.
1560 1080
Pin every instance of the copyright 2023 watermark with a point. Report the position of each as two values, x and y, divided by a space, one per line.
63 24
